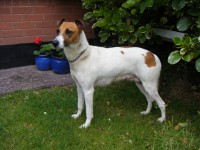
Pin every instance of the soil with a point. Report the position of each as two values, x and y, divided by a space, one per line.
180 82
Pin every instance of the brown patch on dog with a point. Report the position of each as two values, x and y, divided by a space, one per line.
126 46
150 60
70 32
122 52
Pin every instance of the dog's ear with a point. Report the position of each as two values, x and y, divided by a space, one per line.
59 22
81 24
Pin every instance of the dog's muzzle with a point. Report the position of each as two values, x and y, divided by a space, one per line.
58 42
55 43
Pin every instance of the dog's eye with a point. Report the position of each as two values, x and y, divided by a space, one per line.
57 31
68 32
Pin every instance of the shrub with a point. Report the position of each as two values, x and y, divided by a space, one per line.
131 21
120 20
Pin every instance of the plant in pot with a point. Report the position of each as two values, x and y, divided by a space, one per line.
43 53
59 63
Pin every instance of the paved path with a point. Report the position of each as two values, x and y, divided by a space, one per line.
29 77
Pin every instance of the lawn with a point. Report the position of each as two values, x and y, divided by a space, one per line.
40 119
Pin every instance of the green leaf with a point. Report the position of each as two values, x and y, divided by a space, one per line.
163 20
146 4
194 12
98 13
88 15
147 35
129 3
178 4
133 39
196 53
100 23
36 52
188 57
124 37
107 14
149 3
183 24
183 51
142 7
112 28
115 18
130 29
174 57
133 11
197 64
177 41
142 39
187 40
142 29
103 35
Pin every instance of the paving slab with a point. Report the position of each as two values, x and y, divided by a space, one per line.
29 77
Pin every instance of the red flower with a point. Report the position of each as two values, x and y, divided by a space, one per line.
38 40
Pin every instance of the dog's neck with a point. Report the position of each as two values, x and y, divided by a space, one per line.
74 50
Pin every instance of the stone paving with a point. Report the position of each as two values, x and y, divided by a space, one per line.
29 77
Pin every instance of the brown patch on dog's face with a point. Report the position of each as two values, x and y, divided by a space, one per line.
70 32
150 59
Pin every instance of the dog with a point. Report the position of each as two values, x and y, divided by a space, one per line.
92 66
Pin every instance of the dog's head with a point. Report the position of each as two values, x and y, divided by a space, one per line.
67 33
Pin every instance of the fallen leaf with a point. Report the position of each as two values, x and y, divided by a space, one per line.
198 114
183 124
130 141
177 127
184 141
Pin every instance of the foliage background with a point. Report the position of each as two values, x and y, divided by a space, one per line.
132 21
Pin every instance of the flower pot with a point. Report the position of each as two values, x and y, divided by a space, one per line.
60 66
43 62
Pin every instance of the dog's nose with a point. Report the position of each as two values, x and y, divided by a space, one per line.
55 43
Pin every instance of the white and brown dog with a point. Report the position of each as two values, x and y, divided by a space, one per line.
91 66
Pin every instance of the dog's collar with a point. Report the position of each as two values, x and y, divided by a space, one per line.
71 61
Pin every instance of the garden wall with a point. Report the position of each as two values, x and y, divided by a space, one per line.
21 21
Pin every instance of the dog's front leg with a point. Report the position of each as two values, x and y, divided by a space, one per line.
88 94
80 104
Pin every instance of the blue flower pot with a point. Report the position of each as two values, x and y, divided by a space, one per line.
60 66
43 62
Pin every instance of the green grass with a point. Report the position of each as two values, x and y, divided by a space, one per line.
117 124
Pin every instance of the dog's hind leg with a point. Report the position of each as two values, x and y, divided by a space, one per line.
152 90
149 99
80 104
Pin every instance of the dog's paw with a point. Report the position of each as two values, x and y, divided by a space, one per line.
85 125
161 119
75 116
144 112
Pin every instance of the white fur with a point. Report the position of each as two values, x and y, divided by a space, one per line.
101 66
